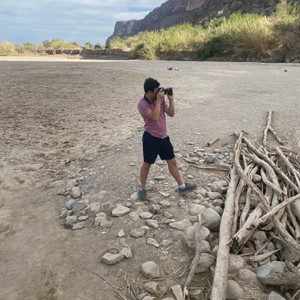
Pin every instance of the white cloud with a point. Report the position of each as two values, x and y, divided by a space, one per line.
72 20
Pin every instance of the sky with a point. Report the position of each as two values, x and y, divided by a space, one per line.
81 21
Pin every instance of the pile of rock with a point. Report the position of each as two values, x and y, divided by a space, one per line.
248 277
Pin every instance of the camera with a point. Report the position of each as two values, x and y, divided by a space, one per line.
167 91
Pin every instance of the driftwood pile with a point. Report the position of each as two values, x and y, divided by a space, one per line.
263 194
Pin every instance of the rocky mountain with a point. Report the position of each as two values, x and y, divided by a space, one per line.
173 12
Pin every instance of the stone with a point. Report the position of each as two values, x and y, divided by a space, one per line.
219 186
268 269
112 259
166 243
75 192
214 195
235 264
181 225
165 203
151 287
152 223
121 233
126 251
120 210
211 219
70 221
134 196
152 242
275 296
248 277
234 291
205 262
138 232
150 269
133 216
95 207
83 218
78 226
78 206
196 209
70 203
189 235
146 215
155 209
177 292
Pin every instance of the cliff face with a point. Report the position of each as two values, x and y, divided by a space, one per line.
173 12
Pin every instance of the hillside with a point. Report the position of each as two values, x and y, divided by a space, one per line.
173 12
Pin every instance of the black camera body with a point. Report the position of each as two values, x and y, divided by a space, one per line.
168 91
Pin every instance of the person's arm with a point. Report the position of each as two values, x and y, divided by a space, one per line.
154 114
170 109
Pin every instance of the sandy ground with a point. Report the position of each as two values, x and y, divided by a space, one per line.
62 117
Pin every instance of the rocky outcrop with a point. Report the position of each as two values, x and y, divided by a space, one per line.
173 12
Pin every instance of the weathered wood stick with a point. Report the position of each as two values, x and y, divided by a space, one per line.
269 183
276 135
272 164
289 165
238 193
219 288
270 171
287 237
261 257
294 223
269 121
246 208
195 261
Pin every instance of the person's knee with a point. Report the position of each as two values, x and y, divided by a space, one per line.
146 166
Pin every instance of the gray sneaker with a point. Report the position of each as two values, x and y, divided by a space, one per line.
143 196
188 187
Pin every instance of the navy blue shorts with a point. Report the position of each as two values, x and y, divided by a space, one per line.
153 146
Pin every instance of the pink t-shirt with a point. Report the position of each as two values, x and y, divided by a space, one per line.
155 128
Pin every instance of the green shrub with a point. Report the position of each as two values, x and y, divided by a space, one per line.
143 51
6 48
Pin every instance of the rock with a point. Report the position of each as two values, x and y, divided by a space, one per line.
121 233
78 226
211 219
189 235
95 207
268 269
150 269
70 203
275 296
177 292
214 195
83 218
75 192
112 259
134 196
70 221
146 215
166 243
152 242
248 276
78 206
181 225
205 262
289 254
196 209
164 194
120 210
133 216
151 287
219 186
105 206
165 203
168 215
155 209
152 223
234 291
235 264
138 232
125 250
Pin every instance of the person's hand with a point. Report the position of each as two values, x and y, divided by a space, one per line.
160 95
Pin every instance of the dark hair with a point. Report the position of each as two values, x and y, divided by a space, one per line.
150 84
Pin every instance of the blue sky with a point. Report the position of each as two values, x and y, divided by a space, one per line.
78 21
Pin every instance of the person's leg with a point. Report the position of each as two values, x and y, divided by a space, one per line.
174 171
144 174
